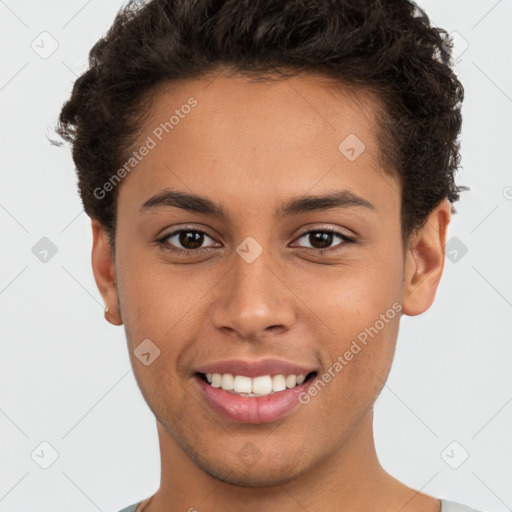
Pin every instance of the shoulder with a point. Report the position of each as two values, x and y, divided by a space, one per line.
446 506
131 508
453 506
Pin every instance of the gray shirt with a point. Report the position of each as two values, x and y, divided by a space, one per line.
446 506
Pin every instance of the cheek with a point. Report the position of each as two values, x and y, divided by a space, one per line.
348 300
155 297
360 358
359 313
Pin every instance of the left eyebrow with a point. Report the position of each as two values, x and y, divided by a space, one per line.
199 204
340 199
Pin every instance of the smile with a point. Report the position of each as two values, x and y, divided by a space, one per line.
262 385
242 405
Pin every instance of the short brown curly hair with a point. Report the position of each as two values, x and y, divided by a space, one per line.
387 47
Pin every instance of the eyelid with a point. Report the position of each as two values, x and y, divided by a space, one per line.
187 227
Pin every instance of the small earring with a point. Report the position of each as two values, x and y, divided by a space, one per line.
107 309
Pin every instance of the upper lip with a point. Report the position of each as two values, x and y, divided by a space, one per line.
254 368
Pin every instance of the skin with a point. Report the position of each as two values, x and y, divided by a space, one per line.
251 147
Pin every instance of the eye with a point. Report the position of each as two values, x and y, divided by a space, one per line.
185 241
324 238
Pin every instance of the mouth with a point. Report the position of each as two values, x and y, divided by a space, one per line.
259 386
276 396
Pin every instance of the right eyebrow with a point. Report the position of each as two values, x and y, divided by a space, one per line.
186 201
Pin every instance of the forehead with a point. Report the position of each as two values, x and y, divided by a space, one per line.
221 135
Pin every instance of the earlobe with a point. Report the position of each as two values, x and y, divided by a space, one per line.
424 261
104 272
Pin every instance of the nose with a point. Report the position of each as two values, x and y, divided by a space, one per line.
254 300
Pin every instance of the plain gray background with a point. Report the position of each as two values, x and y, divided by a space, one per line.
65 376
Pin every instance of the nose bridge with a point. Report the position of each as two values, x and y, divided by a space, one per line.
252 298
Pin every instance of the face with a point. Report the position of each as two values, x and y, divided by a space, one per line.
255 269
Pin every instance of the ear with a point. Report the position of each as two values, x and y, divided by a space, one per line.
104 272
424 261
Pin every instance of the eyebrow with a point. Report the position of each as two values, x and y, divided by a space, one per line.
199 204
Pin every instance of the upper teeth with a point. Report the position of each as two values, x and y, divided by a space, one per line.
258 386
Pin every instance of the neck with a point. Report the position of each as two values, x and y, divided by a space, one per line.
352 479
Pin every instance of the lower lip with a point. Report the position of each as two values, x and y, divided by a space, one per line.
245 409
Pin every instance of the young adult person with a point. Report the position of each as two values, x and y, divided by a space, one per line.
270 185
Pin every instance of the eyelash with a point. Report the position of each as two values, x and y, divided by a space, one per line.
195 252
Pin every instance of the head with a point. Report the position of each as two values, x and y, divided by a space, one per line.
266 180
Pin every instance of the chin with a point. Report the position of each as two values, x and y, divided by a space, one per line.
247 466
262 476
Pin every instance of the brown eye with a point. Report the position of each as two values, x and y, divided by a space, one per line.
190 239
324 238
187 239
320 240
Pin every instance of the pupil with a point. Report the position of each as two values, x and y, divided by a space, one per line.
324 239
191 239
